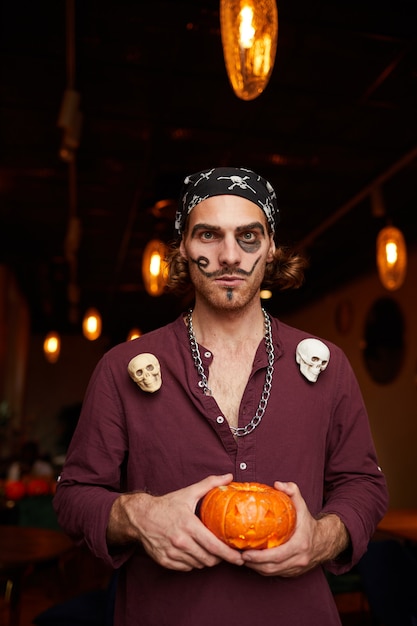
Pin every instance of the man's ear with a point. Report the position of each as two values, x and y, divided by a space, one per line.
271 250
182 249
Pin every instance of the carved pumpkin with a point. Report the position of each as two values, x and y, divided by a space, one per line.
248 515
38 487
14 489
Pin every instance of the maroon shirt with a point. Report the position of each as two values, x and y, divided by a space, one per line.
315 434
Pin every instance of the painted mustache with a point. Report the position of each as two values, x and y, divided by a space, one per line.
203 262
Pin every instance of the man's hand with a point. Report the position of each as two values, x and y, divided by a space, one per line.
314 541
168 528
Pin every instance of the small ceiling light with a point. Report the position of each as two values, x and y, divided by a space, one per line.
52 347
154 267
265 294
391 257
92 324
249 32
134 334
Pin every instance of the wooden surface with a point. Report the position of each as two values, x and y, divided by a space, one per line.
21 548
400 523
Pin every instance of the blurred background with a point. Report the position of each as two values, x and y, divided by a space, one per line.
106 107
335 131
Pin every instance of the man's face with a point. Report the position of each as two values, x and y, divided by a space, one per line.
227 246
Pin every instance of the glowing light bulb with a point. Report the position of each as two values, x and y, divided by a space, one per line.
92 324
155 264
52 347
134 334
391 252
246 28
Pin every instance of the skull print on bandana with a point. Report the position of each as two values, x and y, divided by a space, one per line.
232 181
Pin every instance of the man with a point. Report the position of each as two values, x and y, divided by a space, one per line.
224 392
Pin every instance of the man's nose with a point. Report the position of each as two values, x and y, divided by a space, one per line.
230 252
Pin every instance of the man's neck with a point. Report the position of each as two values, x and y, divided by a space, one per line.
227 327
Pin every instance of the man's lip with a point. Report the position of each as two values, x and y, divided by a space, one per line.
229 280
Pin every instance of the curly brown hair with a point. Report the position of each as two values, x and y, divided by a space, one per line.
285 271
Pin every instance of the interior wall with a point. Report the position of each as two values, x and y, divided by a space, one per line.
14 348
392 407
56 390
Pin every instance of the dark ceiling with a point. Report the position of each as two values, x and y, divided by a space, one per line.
336 124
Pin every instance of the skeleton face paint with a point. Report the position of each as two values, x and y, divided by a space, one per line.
145 370
201 262
225 271
249 246
313 356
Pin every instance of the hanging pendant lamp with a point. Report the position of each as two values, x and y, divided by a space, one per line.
154 267
391 257
92 324
52 347
249 32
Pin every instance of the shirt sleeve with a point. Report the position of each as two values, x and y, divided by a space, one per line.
355 486
91 478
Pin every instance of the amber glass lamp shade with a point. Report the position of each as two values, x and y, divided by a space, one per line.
249 32
391 257
92 324
154 267
52 347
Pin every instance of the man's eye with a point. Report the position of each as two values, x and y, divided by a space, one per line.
207 235
248 236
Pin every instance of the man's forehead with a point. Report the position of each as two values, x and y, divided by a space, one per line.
227 211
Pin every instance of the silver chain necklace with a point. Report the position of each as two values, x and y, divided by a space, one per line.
195 352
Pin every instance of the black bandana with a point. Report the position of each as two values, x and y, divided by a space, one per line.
231 181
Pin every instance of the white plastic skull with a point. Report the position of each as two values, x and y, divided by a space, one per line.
145 370
313 356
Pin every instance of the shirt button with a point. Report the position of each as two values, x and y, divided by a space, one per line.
220 419
207 354
243 466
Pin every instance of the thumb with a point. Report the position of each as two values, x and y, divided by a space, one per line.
204 486
291 489
212 481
